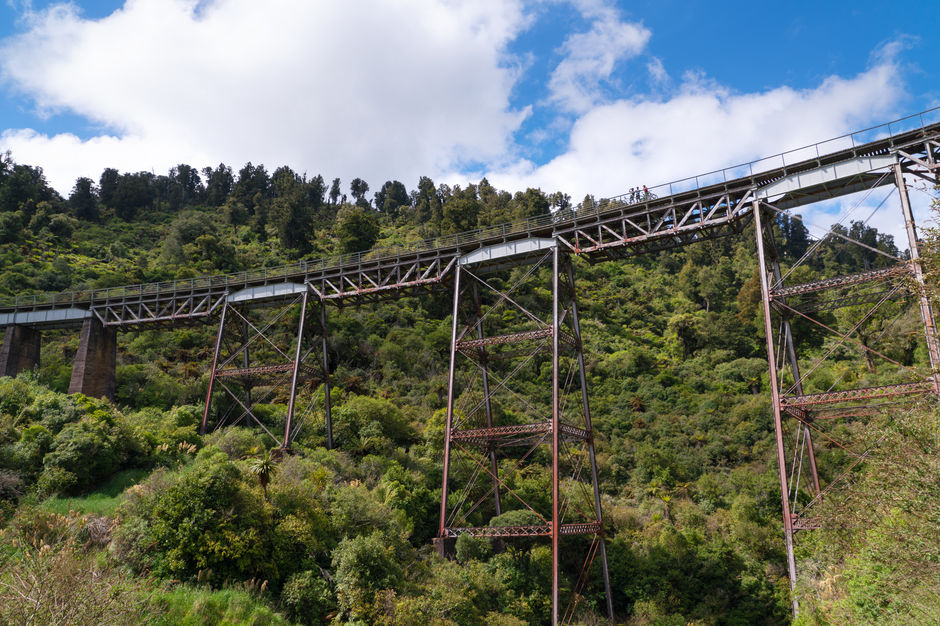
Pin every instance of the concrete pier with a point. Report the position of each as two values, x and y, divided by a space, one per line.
93 369
20 351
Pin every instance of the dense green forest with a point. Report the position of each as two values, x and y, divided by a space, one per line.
121 513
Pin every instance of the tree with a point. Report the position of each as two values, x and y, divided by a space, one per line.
253 186
391 197
263 467
335 191
83 201
494 205
530 203
316 190
290 213
357 229
107 185
560 201
359 188
428 204
219 184
133 192
363 566
23 187
460 211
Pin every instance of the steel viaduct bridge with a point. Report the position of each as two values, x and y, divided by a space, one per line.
482 448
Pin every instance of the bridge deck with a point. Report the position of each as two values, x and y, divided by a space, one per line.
698 208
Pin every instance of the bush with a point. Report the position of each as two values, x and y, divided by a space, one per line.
370 425
91 449
307 598
364 565
204 519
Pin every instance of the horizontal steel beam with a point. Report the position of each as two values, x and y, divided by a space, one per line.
865 393
539 530
510 434
839 282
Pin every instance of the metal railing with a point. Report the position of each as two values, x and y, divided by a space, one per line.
301 268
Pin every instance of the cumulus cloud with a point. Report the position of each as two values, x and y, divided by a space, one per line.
394 89
381 89
700 127
590 58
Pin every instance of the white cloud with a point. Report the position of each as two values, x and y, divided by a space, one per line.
702 127
590 58
382 89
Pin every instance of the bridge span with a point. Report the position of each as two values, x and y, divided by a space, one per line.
677 214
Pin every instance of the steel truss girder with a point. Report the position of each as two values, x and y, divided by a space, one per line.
675 221
478 445
173 309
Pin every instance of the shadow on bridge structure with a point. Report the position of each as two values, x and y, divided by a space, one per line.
515 309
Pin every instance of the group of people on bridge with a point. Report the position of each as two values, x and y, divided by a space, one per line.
636 194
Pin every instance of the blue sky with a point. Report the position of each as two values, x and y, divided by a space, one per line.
583 96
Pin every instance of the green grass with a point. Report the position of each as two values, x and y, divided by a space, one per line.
187 605
101 501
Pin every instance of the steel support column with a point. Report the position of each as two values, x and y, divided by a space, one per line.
775 396
486 396
448 426
556 442
476 430
254 352
215 364
327 400
794 365
576 322
297 359
926 311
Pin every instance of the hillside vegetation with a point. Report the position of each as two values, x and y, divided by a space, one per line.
216 529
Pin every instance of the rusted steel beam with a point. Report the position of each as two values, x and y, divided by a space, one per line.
265 370
497 433
536 530
468 345
848 300
865 393
495 340
838 282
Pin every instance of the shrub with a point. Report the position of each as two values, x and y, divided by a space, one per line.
307 598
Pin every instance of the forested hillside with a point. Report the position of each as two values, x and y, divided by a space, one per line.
218 528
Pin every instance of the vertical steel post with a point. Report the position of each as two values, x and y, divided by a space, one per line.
926 312
215 362
775 396
798 387
795 368
327 400
556 440
246 363
293 381
576 324
450 403
486 396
